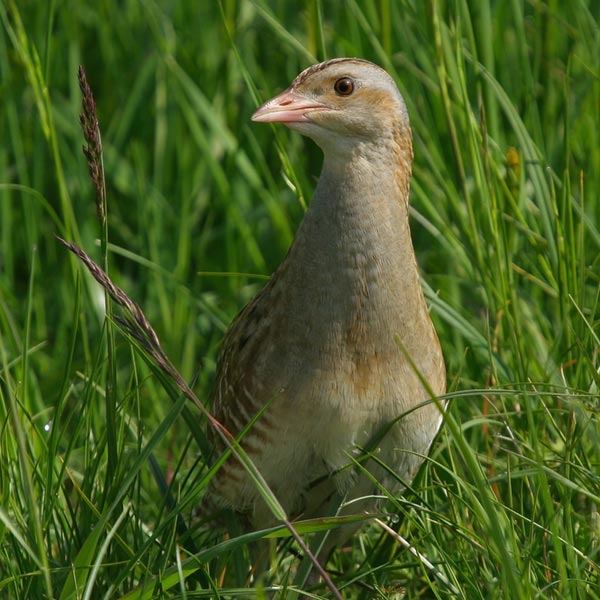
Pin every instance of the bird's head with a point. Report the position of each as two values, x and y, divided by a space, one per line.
340 104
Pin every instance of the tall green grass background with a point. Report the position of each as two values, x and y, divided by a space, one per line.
99 454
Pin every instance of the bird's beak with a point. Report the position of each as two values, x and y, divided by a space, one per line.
287 107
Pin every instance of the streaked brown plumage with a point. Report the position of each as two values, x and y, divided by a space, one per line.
325 342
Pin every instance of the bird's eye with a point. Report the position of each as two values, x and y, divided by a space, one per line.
344 86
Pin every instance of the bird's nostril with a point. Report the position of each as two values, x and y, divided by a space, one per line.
285 102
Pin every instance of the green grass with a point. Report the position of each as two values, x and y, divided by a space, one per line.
505 106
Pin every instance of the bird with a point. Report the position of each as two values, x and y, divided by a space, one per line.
338 350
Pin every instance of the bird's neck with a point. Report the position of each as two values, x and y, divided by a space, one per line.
353 251
360 209
351 277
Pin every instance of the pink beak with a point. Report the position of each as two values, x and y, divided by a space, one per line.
287 107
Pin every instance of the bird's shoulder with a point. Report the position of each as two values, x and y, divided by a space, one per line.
240 350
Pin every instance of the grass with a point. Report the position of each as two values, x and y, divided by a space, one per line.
201 206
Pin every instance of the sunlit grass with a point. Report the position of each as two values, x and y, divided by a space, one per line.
201 206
